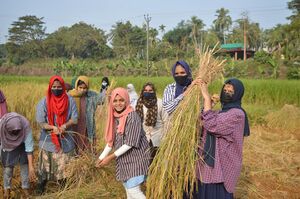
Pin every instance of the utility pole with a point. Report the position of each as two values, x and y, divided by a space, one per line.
245 40
147 19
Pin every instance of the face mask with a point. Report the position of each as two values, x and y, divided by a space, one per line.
227 97
104 85
148 95
181 80
57 92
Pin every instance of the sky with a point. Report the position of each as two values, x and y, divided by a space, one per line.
104 14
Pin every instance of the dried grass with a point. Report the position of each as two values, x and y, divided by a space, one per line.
173 169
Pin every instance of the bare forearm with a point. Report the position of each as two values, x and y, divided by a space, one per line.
30 160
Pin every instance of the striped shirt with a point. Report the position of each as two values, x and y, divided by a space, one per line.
170 103
135 161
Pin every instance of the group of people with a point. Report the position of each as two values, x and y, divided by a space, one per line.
134 130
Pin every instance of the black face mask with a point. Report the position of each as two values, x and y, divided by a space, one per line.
181 80
227 97
148 95
57 92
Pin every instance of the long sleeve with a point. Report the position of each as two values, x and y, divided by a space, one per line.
123 149
170 103
105 152
29 141
222 123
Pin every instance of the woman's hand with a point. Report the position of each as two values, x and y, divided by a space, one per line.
107 160
55 130
204 90
98 162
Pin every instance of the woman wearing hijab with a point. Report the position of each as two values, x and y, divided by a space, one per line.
86 102
124 132
133 96
152 114
221 144
16 148
174 92
56 114
3 105
104 87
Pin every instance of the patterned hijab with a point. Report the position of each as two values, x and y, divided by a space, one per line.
112 114
151 104
76 94
13 130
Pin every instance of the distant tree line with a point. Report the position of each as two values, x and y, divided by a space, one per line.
28 39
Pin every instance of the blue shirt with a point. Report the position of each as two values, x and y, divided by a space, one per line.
170 103
45 142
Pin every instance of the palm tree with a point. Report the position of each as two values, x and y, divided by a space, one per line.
222 23
162 28
197 25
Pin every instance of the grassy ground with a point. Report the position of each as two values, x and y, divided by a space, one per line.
271 154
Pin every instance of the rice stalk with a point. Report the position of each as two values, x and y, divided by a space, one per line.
173 171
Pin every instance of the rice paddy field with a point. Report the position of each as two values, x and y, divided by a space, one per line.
271 161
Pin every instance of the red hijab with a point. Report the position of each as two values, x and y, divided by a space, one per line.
112 114
58 106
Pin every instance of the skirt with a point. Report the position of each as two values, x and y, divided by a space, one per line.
210 191
53 166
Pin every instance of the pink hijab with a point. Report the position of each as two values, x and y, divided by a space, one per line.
112 114
3 105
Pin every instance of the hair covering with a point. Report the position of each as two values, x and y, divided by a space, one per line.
236 101
84 79
210 143
151 104
13 122
106 80
58 106
104 87
179 88
3 105
76 94
133 96
112 114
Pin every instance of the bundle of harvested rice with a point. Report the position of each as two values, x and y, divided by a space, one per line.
173 169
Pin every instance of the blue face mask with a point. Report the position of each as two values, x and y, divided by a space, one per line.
148 95
57 92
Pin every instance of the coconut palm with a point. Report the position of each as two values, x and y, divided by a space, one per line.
222 23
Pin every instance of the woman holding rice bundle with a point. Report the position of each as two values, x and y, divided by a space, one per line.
221 143
150 109
174 92
16 144
124 132
56 113
86 102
